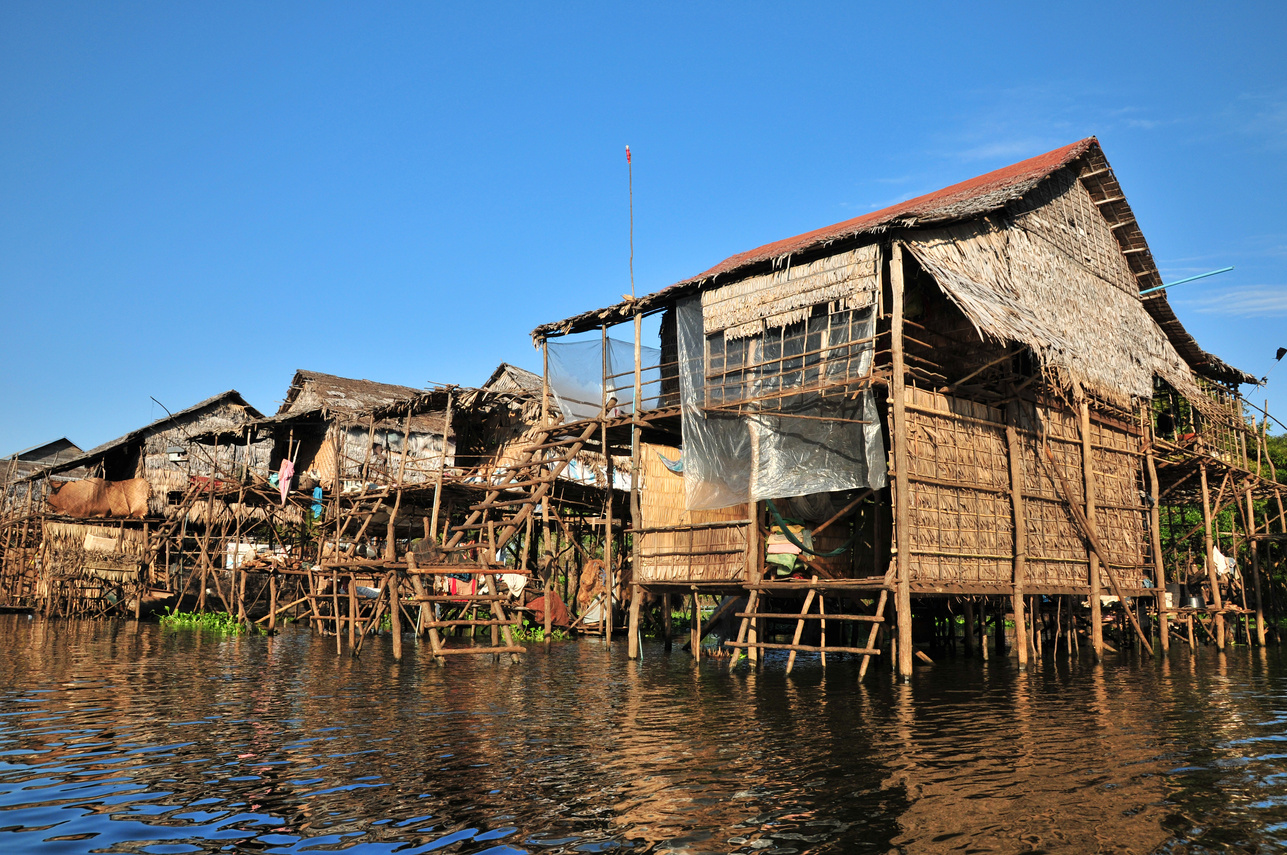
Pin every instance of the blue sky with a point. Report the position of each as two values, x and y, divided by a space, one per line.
197 197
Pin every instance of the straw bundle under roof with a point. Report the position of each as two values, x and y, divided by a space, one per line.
749 306
1015 285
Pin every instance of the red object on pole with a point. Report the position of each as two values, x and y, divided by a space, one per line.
627 154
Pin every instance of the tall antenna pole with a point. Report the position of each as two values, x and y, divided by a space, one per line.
630 172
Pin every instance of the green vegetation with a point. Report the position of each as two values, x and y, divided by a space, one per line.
216 622
531 634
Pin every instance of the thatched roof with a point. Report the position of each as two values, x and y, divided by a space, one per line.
511 378
230 400
968 200
312 390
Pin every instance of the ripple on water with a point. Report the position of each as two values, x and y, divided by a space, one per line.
115 737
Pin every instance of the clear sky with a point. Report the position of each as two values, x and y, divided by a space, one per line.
198 197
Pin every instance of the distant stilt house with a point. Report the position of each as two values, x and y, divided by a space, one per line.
324 426
465 550
15 469
948 406
85 553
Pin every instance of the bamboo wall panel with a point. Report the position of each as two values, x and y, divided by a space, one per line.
692 555
961 525
961 517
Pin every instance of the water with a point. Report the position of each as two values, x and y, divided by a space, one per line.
116 737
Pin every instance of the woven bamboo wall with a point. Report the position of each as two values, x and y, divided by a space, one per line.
684 556
961 514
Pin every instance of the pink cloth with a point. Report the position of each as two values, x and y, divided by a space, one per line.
283 478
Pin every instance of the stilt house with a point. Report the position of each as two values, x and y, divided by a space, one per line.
951 397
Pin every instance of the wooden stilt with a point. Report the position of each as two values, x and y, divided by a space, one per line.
1020 540
1209 544
1155 536
799 625
872 633
695 628
667 622
902 499
1255 568
1094 583
392 585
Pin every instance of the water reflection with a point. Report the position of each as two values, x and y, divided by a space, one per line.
123 738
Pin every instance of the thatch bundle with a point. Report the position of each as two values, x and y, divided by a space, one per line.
1016 284
92 552
749 306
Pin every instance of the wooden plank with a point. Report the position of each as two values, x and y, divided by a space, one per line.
801 648
797 616
480 651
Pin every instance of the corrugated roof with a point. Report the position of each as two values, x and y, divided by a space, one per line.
969 199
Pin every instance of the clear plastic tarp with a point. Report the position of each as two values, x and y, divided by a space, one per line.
754 437
577 377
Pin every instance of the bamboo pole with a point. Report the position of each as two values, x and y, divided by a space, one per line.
442 465
636 507
607 505
1255 568
395 612
799 625
1095 583
1020 543
1155 536
1209 544
902 504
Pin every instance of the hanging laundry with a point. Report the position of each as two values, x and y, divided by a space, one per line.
286 473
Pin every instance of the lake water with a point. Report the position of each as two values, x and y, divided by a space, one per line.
122 737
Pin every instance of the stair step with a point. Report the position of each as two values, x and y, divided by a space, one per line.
810 616
449 651
804 648
439 624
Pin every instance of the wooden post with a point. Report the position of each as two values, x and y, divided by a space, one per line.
395 613
667 628
1020 543
442 465
272 602
391 530
636 506
983 627
606 623
1155 533
353 611
695 628
1209 544
1093 580
968 615
1255 568
335 606
902 504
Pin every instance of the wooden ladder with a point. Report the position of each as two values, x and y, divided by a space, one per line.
753 613
532 476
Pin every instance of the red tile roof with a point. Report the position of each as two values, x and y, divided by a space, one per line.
985 192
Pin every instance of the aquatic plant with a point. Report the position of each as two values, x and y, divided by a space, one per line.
217 622
532 634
